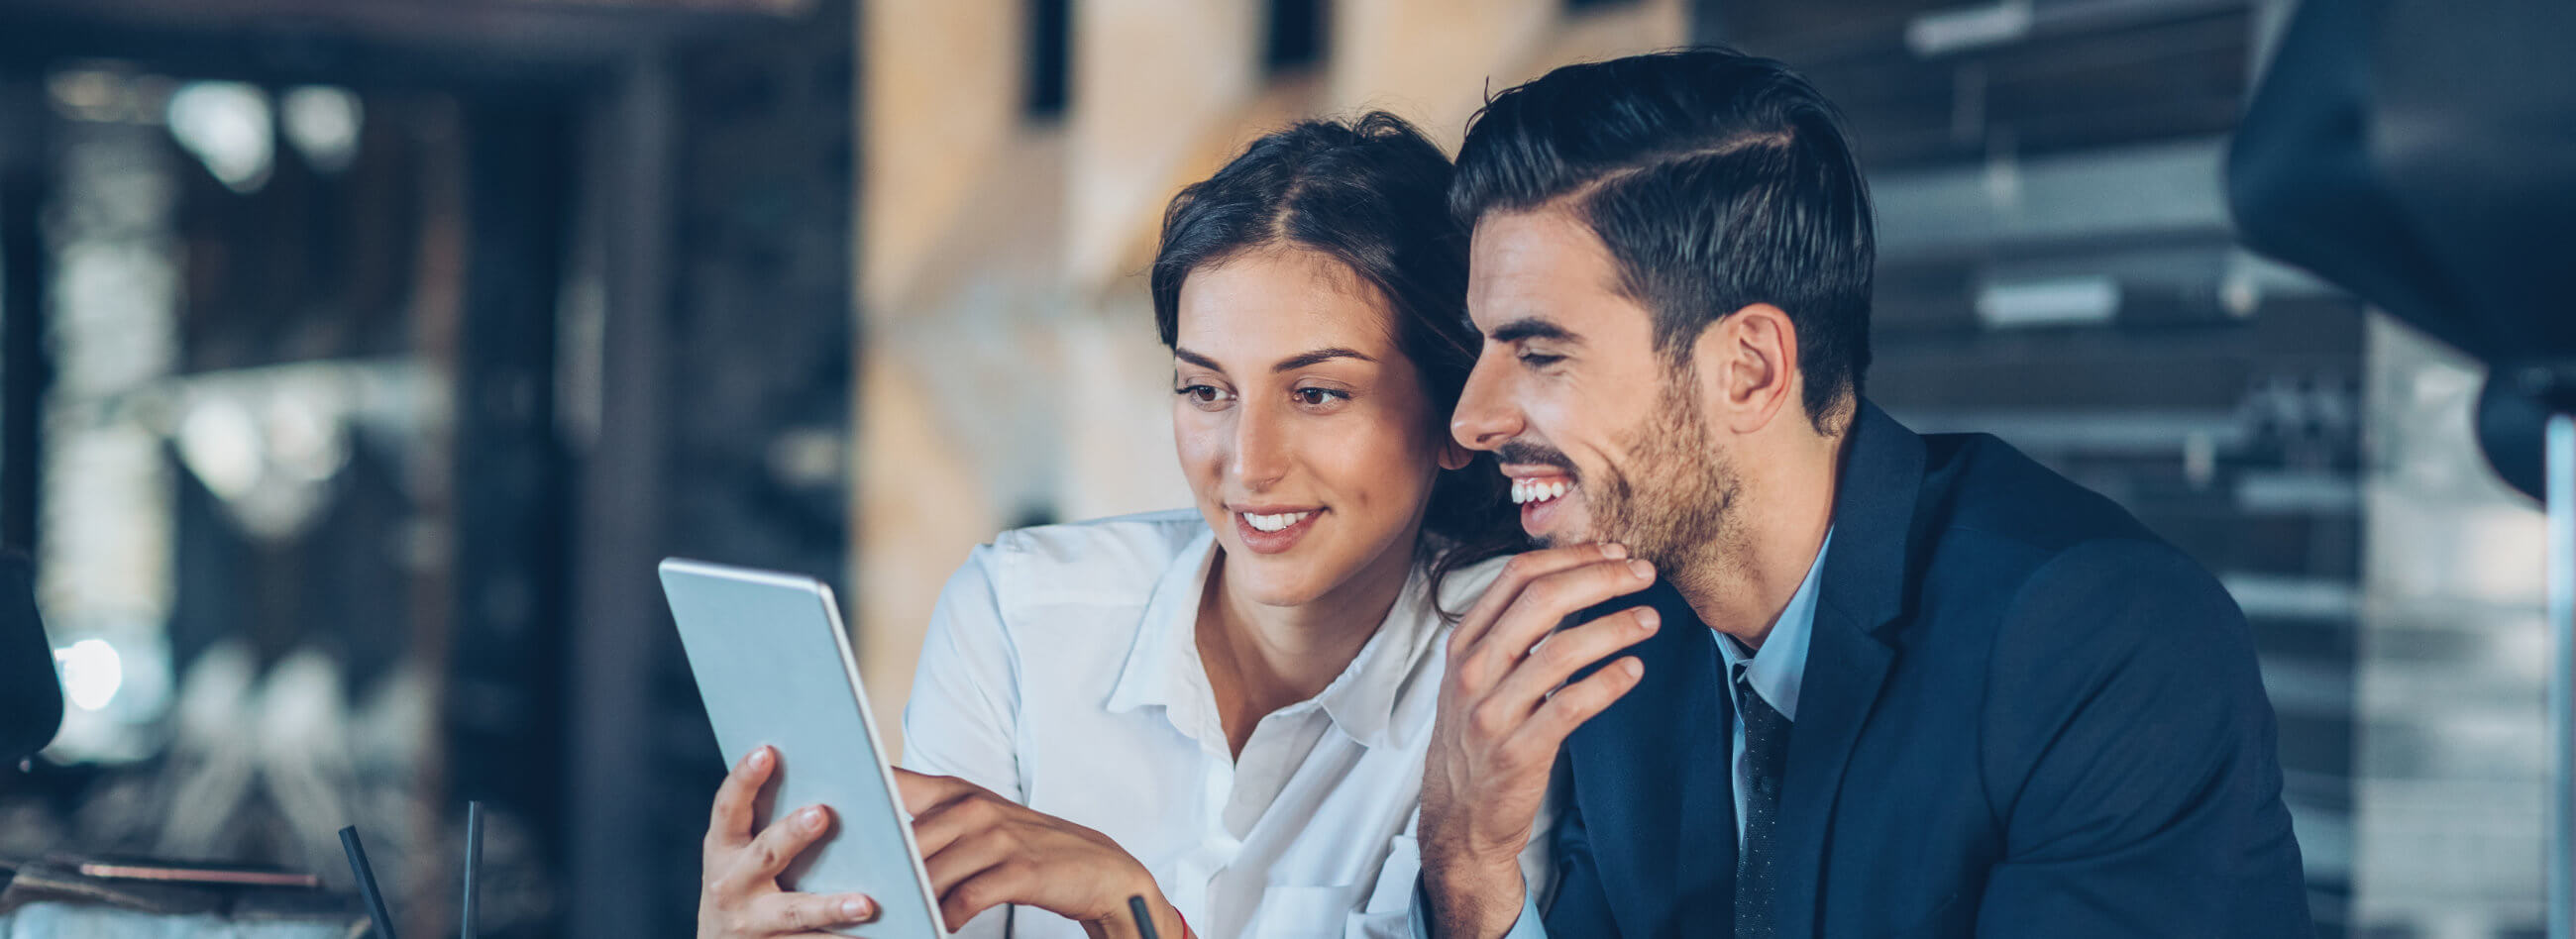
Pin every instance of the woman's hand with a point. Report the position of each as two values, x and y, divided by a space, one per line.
983 850
739 896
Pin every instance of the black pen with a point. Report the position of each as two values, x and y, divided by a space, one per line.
1144 918
367 882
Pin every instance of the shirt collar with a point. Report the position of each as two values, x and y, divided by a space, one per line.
1361 700
1779 669
1163 665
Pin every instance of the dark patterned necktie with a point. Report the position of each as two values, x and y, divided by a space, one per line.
1757 867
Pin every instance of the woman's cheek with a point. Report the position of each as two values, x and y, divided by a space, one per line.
1378 466
1199 447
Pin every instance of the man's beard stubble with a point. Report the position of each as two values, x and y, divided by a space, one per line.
1673 503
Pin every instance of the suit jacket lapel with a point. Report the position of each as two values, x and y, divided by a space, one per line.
1653 782
1863 590
1704 857
1845 668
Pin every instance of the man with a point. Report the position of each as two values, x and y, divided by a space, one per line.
1862 682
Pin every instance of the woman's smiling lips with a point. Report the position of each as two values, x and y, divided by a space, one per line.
1271 529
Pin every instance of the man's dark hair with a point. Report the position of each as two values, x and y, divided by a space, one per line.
1366 193
1717 180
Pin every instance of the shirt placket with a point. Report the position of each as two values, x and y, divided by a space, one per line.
1206 861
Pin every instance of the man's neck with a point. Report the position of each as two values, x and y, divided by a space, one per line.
1741 583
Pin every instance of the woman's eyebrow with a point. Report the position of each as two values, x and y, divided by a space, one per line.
1194 358
1301 360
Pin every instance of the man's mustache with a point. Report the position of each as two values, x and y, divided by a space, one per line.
1530 454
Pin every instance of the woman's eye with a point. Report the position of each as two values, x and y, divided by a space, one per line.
1318 397
1202 395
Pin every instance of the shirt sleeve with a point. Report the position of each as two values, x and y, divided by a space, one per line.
963 717
1526 927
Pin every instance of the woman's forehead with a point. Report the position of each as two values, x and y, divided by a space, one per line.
1268 305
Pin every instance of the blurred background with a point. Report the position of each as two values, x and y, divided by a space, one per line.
358 359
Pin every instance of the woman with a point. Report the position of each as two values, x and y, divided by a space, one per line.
1223 710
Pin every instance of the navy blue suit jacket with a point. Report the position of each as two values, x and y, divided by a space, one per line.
2023 716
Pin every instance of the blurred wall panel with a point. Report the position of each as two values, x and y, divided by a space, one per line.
24 148
1435 61
1151 80
612 378
706 386
950 75
508 570
2453 753
480 309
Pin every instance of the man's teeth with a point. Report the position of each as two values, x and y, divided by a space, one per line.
1278 522
1526 491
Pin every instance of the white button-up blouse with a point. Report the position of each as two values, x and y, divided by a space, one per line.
1061 670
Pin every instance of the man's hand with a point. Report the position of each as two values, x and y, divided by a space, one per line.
982 851
1505 710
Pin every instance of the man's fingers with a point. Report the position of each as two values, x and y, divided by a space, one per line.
1565 652
1544 605
778 845
807 913
729 824
1573 704
1517 574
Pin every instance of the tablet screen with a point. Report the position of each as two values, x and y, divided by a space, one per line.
774 667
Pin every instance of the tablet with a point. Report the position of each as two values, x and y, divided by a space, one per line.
774 667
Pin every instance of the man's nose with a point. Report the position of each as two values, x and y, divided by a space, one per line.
1484 417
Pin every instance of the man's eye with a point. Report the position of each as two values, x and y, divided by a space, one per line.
1539 359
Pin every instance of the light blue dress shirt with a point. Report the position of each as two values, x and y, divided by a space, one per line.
1776 671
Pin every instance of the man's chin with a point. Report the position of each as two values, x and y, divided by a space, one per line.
1546 538
1561 540
1564 533
1575 532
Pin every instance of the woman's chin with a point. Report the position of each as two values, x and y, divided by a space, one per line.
1272 587
1314 571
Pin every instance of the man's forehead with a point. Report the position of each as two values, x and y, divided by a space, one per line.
1535 262
1553 228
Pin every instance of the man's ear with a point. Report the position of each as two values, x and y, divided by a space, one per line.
1747 363
1455 457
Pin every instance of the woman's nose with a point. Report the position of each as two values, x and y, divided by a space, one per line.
1260 449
